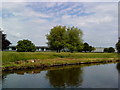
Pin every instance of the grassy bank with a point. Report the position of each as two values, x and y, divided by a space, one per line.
37 59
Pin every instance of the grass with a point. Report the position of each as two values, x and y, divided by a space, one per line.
50 58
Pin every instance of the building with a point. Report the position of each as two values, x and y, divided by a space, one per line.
38 48
101 49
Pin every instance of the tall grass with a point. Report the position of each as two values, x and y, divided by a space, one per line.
8 56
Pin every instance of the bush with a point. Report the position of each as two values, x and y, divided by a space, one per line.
109 50
105 49
25 46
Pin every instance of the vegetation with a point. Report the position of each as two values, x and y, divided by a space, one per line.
109 50
87 48
25 46
52 57
61 37
118 46
74 38
5 42
105 49
56 38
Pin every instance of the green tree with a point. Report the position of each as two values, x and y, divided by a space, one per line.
5 42
91 48
80 47
86 47
56 38
25 46
111 49
118 46
106 49
73 38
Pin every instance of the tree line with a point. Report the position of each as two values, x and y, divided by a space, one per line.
109 50
67 38
60 38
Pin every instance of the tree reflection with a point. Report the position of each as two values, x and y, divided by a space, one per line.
118 67
65 77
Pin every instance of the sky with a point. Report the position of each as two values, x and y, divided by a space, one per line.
33 20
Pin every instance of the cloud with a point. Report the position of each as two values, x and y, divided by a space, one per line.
61 1
34 20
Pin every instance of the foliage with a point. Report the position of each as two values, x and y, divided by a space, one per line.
25 46
5 42
80 47
73 38
91 48
56 38
118 46
61 37
86 47
109 50
105 49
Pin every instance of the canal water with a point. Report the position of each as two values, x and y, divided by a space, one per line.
79 76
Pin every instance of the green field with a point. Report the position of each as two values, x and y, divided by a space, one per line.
49 58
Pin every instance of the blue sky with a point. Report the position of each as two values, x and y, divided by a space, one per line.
33 20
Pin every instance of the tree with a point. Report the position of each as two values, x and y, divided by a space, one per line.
25 46
91 48
86 47
73 38
80 47
56 38
61 37
106 49
111 49
5 42
118 46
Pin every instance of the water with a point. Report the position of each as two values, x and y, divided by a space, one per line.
93 76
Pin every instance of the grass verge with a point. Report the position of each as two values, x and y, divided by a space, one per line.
22 60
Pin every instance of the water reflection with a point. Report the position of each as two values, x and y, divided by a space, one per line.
66 77
118 67
92 75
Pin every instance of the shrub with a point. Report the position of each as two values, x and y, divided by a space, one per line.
25 46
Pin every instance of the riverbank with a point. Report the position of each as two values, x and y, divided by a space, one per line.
29 60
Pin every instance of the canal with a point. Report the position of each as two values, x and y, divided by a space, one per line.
78 76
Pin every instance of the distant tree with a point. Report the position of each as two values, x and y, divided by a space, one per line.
80 47
74 38
61 37
25 46
91 48
111 49
5 42
56 38
86 47
106 49
118 46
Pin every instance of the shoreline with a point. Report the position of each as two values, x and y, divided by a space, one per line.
35 64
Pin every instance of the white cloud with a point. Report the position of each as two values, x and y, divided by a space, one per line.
99 28
61 1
